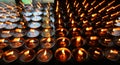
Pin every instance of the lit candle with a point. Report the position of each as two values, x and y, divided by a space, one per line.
74 32
96 53
72 24
63 54
27 55
10 55
6 33
102 31
46 23
80 54
115 31
77 41
3 43
33 33
47 32
61 32
59 23
31 43
47 42
106 41
112 54
117 22
93 41
63 42
44 55
37 12
17 42
10 25
19 32
88 31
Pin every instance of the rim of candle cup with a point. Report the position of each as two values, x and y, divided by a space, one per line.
44 41
16 42
40 51
28 41
21 58
3 18
10 50
14 19
36 24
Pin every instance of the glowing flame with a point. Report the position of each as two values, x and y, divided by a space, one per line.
46 30
80 52
114 51
103 30
10 53
74 29
32 41
89 28
93 38
49 39
96 52
63 39
63 52
26 52
32 30
2 40
116 29
18 30
5 31
78 38
16 39
45 53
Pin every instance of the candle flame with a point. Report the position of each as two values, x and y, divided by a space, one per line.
46 30
114 51
31 41
5 31
89 28
2 40
107 40
109 22
93 15
49 39
63 39
63 51
80 52
93 37
115 29
26 52
103 30
16 39
18 30
78 38
74 29
32 30
10 53
96 52
61 29
45 52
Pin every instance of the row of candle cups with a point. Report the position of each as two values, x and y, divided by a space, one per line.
60 54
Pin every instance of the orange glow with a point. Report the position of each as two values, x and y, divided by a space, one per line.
49 39
2 40
16 39
96 52
114 51
18 30
10 53
26 52
93 38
